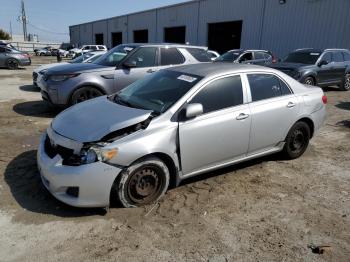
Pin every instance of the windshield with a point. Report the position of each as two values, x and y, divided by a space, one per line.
157 92
94 58
309 58
114 56
81 58
228 57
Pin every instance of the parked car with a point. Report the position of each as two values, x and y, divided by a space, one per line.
46 51
87 48
318 67
213 55
257 57
39 72
172 125
13 58
71 84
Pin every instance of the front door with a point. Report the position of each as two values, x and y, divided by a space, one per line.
143 61
221 133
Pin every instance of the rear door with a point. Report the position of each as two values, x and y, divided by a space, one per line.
2 56
325 72
339 66
221 134
145 61
273 109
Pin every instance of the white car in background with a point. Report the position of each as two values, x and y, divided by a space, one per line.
90 57
213 55
87 48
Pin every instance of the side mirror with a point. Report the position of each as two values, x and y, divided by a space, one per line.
194 110
129 64
322 63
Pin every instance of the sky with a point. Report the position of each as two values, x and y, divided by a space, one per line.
50 19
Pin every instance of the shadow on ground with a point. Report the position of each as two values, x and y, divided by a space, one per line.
331 88
36 109
344 123
23 179
30 88
343 105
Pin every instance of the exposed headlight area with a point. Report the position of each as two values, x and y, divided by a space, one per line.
60 78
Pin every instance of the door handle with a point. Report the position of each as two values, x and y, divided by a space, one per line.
291 104
150 71
242 116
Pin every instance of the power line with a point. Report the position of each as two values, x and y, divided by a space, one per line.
46 30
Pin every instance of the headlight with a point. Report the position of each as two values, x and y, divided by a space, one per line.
59 78
94 154
42 72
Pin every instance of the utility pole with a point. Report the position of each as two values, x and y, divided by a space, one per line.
24 21
11 30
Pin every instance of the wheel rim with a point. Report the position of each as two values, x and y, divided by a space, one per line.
298 141
347 82
86 94
12 63
145 185
309 81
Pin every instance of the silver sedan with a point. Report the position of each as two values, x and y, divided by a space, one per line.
172 125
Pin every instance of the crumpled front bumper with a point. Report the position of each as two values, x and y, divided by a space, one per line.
93 180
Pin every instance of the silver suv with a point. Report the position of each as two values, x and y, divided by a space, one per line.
71 84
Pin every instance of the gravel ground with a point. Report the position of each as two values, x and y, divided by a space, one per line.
264 210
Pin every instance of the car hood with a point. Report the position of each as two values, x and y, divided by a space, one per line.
47 66
92 120
288 66
75 68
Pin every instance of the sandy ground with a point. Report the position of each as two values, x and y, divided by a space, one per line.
263 210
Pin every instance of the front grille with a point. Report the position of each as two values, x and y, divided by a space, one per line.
53 150
35 76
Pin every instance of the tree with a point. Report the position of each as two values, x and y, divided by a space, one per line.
4 35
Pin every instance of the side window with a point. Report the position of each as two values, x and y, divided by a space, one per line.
246 57
144 57
199 54
327 57
220 94
338 57
170 56
101 47
265 86
346 56
259 55
93 47
267 56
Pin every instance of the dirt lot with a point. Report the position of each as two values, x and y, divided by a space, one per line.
263 210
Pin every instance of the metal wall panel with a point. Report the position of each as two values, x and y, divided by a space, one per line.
86 36
74 32
115 25
306 23
180 15
144 20
100 27
214 11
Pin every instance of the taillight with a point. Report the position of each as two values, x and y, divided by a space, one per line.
324 99
274 59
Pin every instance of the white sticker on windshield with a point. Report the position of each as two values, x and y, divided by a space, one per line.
186 78
315 54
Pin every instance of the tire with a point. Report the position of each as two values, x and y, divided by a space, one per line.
41 54
143 183
309 81
297 140
346 84
85 93
12 64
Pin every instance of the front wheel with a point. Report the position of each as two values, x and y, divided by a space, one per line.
142 183
85 93
12 64
309 81
346 85
297 140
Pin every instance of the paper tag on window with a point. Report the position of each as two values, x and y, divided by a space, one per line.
314 53
186 78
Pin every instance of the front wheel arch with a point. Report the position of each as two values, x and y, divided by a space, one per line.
82 86
313 78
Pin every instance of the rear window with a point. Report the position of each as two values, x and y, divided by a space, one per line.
338 57
170 56
200 54
346 56
228 57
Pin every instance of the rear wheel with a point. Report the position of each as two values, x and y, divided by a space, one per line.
12 63
85 93
346 85
309 81
297 140
142 183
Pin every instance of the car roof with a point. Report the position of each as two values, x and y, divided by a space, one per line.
172 45
248 50
217 68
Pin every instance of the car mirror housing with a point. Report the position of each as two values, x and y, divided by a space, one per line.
129 64
322 62
194 110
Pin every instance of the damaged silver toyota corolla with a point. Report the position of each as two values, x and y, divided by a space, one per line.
172 125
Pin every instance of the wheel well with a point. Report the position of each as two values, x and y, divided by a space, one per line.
310 123
171 166
313 77
79 87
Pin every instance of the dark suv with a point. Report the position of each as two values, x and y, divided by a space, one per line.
318 67
257 57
